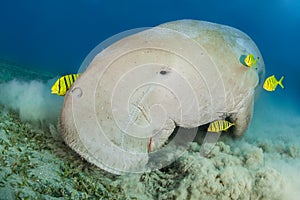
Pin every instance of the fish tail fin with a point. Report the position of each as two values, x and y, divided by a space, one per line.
255 62
280 82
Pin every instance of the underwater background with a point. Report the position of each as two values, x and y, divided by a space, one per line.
41 40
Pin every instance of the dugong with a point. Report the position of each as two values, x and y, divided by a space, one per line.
135 92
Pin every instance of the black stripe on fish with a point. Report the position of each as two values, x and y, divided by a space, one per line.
69 81
66 83
58 86
72 76
248 59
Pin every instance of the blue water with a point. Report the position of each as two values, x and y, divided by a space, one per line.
57 35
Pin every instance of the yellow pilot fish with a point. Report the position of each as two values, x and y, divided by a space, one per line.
63 84
219 125
271 83
251 61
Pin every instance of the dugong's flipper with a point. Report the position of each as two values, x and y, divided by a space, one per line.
209 142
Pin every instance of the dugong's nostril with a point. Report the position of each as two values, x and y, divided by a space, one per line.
76 92
163 72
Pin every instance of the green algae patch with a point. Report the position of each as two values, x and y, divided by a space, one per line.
36 164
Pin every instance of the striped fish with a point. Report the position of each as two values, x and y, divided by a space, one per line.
63 84
219 125
251 61
271 83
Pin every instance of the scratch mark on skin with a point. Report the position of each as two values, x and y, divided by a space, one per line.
143 111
